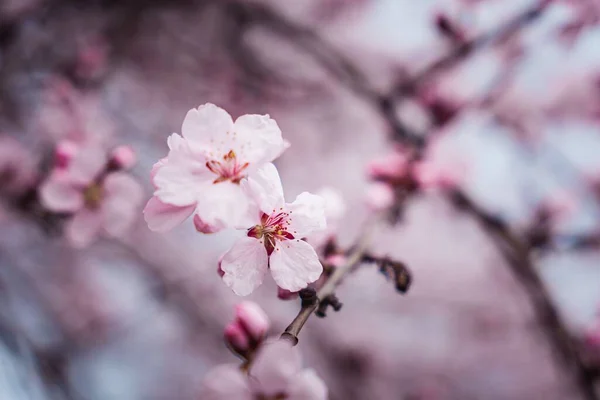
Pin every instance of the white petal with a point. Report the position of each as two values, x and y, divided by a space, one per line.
294 264
261 138
226 382
225 204
245 266
162 217
58 194
264 186
307 214
275 367
84 227
206 126
180 178
307 386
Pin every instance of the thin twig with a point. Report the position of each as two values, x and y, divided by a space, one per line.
354 258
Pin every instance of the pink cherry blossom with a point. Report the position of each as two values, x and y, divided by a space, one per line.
379 196
96 200
203 170
276 373
392 166
274 240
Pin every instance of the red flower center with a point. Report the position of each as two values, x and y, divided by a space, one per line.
271 228
228 168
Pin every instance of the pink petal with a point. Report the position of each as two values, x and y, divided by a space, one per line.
205 126
307 215
261 137
307 386
204 227
87 164
123 157
275 367
179 180
225 204
245 266
58 194
226 382
162 217
157 165
264 187
294 264
84 227
123 195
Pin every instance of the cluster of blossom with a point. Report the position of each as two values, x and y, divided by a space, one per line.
92 189
221 172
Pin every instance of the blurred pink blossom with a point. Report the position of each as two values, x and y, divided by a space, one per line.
274 242
433 176
98 201
204 168
276 373
379 196
393 166
123 157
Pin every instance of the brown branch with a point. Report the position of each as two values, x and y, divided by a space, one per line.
328 289
519 259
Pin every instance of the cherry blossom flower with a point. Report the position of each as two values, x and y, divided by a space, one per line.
202 173
98 200
275 374
274 239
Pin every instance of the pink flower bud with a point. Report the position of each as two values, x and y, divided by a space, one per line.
285 294
392 166
379 196
203 227
253 319
432 176
123 157
336 260
236 337
63 154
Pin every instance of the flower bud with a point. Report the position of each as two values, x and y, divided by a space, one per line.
63 154
379 196
285 294
253 319
123 157
392 166
236 337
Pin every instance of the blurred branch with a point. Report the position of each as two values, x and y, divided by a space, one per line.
519 259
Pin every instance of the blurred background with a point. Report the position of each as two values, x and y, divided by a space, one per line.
500 98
